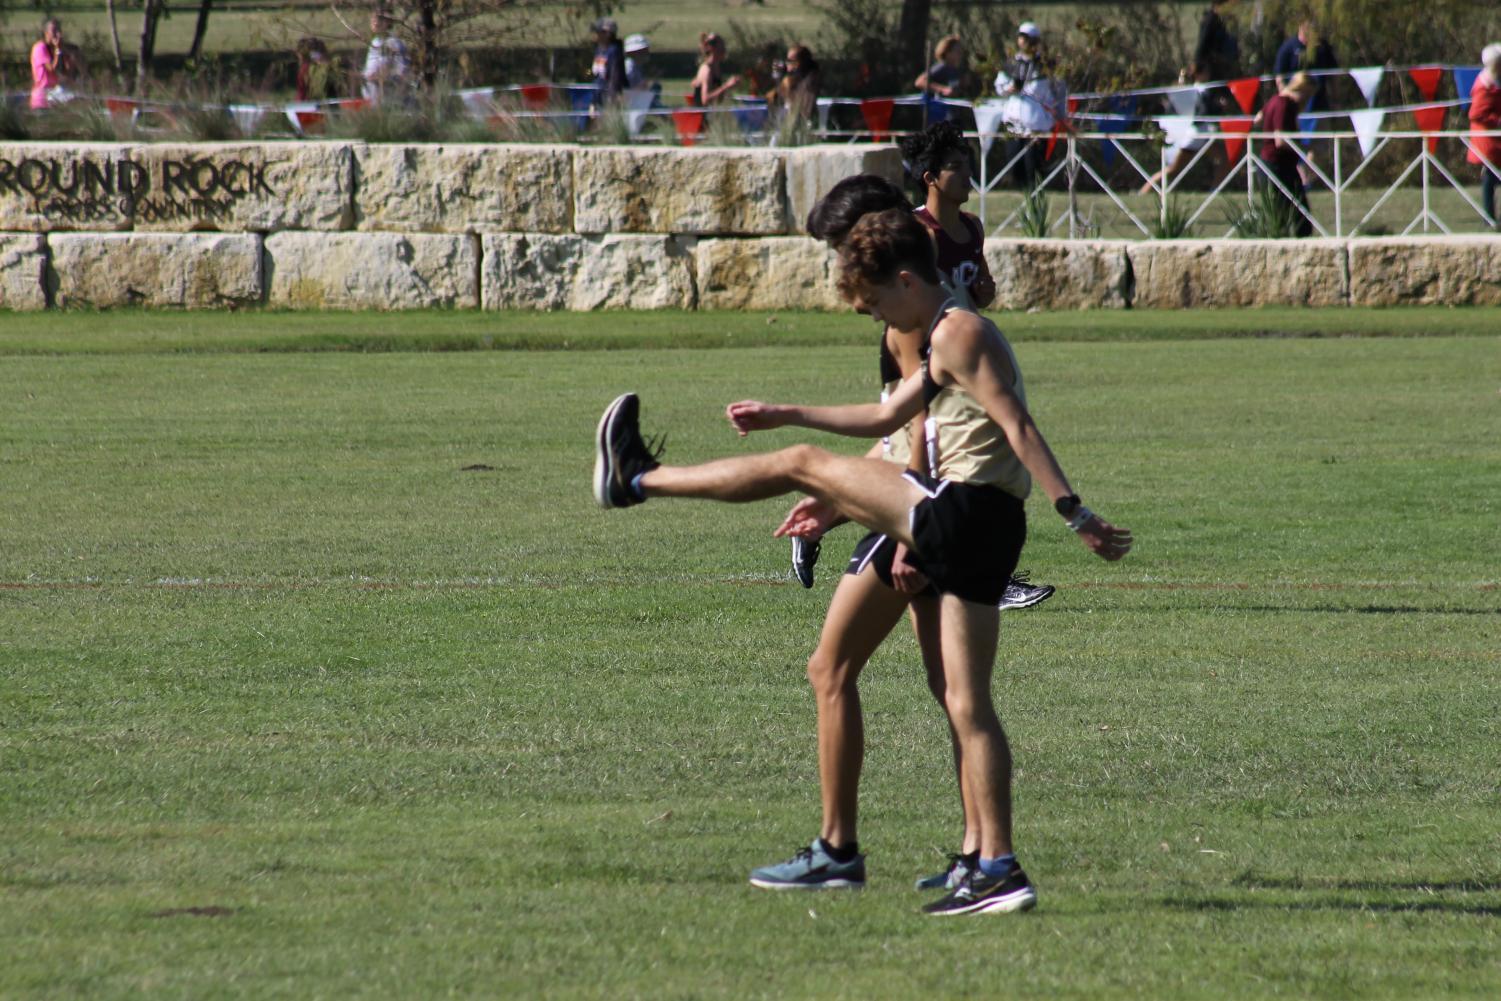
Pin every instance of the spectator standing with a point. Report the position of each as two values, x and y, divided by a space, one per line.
1217 52
609 61
797 89
1034 101
1206 110
388 69
1485 116
317 73
1295 55
945 77
710 85
46 56
637 56
1280 115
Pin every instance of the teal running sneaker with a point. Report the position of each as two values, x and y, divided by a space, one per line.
812 868
950 878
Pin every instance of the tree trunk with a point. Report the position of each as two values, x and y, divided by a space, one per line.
114 35
151 12
200 29
912 38
427 42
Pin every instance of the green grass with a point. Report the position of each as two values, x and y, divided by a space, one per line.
267 646
151 332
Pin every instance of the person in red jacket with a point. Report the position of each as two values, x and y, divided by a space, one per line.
1485 116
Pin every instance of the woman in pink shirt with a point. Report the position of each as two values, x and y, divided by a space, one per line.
45 56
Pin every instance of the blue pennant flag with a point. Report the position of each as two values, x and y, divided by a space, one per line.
1464 82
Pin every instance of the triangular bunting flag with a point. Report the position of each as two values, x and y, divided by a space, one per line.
1053 140
935 110
1430 120
1179 129
825 105
751 117
877 114
1124 104
1235 145
1245 92
1464 82
1427 78
1073 106
247 117
1368 78
535 96
1366 124
637 101
987 118
1183 100
689 122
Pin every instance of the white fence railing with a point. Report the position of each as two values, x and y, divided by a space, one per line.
1116 175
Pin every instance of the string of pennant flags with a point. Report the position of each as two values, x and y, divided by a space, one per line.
1106 113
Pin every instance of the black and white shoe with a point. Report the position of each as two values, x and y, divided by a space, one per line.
621 454
978 893
1022 593
804 558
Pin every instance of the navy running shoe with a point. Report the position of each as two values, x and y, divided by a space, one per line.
804 558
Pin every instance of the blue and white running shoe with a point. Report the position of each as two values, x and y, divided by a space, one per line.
812 868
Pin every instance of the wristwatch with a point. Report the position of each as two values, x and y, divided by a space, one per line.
1066 506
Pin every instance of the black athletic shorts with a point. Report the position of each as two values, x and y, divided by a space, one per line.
969 537
877 551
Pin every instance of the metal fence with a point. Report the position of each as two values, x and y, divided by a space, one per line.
1109 184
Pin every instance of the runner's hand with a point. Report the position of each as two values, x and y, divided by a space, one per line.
907 578
809 517
1104 539
753 415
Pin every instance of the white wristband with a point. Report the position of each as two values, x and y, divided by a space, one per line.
1081 516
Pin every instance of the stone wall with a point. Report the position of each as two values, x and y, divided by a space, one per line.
336 225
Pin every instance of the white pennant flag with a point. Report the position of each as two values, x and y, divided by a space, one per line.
479 102
1367 79
247 117
987 118
1367 124
637 101
1183 99
1179 129
825 105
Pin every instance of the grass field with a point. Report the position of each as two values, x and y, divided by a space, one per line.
295 703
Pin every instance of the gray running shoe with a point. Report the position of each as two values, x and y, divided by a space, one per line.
812 868
804 558
959 867
1021 593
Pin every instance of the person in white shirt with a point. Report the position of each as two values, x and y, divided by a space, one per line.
387 66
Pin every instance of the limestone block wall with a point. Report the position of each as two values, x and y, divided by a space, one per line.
325 225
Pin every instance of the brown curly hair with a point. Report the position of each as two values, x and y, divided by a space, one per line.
882 244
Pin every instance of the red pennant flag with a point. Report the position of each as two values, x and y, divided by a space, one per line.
310 122
1053 139
119 107
354 104
1073 106
1427 78
689 122
1430 120
1235 145
535 96
877 114
1245 92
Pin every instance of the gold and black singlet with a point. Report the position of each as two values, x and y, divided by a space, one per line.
963 443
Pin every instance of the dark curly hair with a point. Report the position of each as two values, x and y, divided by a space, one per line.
927 151
836 213
882 244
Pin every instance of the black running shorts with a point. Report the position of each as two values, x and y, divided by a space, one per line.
969 536
877 551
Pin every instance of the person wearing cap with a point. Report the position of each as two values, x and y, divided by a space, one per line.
637 52
1033 101
609 60
1485 116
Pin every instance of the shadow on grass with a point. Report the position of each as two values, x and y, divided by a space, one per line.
1313 609
1319 895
